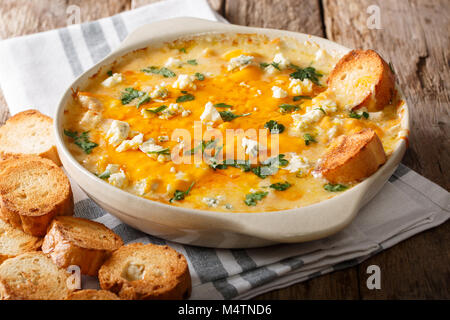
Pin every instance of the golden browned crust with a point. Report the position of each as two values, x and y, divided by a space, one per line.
32 276
28 133
145 272
91 294
81 242
14 242
354 66
33 191
353 158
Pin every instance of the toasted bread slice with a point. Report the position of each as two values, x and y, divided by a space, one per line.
143 272
28 133
353 158
91 294
32 276
81 242
14 242
362 79
33 191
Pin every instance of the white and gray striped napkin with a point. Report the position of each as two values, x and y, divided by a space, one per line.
36 69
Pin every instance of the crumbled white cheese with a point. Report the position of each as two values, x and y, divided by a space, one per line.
278 93
173 62
243 84
338 120
393 129
113 80
270 69
303 121
140 187
210 114
332 132
90 119
186 113
240 62
180 175
173 170
299 87
184 81
317 111
328 105
163 138
172 110
118 131
317 174
213 202
250 146
163 158
282 62
131 144
150 148
159 91
297 163
319 54
118 179
90 103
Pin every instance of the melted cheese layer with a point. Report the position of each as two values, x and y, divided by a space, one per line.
250 73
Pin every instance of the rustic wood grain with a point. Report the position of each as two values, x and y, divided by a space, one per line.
293 15
21 17
215 4
337 285
415 38
418 268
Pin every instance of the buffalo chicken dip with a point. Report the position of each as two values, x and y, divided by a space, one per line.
235 122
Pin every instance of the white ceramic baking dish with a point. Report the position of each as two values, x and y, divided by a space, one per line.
219 229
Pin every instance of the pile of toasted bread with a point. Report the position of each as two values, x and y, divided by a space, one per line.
40 240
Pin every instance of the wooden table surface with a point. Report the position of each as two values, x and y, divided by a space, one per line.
414 36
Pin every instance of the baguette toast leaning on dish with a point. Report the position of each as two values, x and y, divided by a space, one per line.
36 201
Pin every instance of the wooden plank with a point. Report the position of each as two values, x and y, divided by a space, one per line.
21 17
337 285
414 37
304 16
